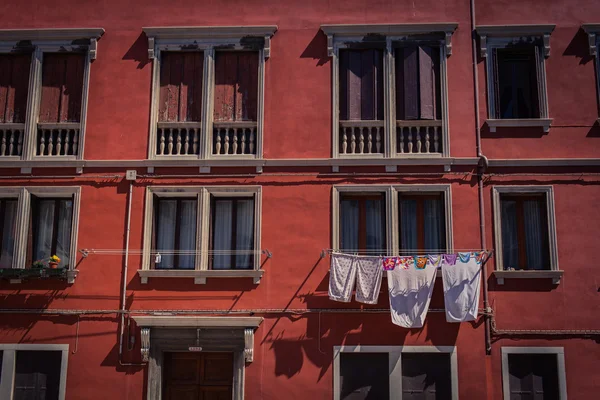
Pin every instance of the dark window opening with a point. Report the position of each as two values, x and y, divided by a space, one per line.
426 376
364 376
175 233
362 224
8 224
525 236
516 83
422 223
37 375
533 376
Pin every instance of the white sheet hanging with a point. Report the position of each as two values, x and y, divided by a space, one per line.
461 287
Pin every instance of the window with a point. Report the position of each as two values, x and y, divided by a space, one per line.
593 32
34 371
202 232
525 232
45 116
362 223
515 59
533 373
422 223
395 113
8 224
208 91
390 220
395 372
50 229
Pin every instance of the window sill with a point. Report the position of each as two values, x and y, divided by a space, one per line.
544 123
555 275
200 275
17 275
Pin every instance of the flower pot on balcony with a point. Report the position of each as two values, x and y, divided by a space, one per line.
53 265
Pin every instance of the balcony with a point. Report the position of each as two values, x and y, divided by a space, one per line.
361 138
58 139
419 137
178 138
236 139
11 137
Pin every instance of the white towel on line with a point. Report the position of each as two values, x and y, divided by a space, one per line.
461 287
368 279
342 276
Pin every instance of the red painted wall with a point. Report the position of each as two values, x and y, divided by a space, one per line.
293 353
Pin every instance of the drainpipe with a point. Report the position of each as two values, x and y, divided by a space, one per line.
481 167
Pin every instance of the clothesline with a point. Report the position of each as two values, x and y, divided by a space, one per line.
402 252
86 252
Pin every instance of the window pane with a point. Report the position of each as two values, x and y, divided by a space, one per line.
187 234
43 221
375 226
510 239
434 224
364 376
222 233
244 240
517 84
349 215
37 375
9 209
361 84
536 234
63 231
408 224
426 376
533 376
165 232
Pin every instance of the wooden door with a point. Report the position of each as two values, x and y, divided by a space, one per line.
198 376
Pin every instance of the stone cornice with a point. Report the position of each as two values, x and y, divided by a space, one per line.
514 31
58 34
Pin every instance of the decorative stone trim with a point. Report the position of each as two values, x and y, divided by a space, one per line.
593 31
58 34
543 123
528 274
249 344
514 31
200 276
145 344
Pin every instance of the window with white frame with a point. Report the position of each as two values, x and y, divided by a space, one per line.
533 373
38 223
43 92
398 219
208 91
516 74
33 371
593 32
395 372
389 89
207 229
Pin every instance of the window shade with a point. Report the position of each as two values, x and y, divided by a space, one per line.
14 83
62 85
236 86
181 86
361 84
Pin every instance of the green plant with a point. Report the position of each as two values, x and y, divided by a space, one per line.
38 264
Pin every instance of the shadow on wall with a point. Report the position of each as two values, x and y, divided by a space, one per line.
138 51
579 47
317 49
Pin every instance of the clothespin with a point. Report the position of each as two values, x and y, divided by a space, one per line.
157 258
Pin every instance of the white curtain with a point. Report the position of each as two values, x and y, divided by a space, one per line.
165 232
222 235
43 233
245 233
375 227
8 233
187 233
434 225
349 224
63 233
535 235
408 225
510 241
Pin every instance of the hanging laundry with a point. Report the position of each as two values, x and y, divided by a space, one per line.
461 282
449 259
342 277
435 260
410 291
389 263
368 279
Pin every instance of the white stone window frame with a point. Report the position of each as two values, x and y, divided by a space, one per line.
342 36
203 194
395 365
554 271
493 37
9 362
560 366
23 194
593 32
41 41
208 40
392 193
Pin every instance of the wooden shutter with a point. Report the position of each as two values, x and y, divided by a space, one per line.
14 83
426 376
361 85
181 86
236 86
418 92
37 375
62 86
533 376
364 376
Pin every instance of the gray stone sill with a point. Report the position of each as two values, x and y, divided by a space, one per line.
555 275
543 123
70 275
200 275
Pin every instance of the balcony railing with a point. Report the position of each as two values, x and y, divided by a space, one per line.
178 138
361 137
58 139
419 137
11 139
234 138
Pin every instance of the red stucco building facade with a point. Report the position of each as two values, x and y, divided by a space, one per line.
287 108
